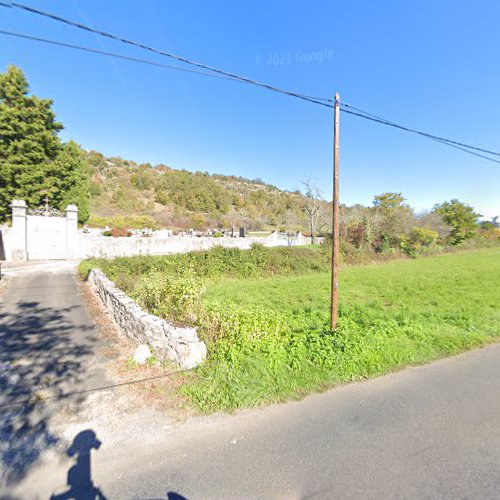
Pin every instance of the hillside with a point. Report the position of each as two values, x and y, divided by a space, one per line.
181 199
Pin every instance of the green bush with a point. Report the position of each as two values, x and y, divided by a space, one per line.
423 236
176 297
214 264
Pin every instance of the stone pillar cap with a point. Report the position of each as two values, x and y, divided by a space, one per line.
71 208
18 203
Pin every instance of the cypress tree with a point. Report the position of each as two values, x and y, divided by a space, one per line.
33 161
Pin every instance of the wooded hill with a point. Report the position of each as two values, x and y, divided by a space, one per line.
163 196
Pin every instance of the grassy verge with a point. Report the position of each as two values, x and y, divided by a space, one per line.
268 338
264 315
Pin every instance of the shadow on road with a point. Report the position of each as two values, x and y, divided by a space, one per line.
80 482
42 354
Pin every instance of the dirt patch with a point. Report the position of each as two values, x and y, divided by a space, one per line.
4 282
154 386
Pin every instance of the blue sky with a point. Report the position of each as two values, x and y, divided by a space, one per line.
432 65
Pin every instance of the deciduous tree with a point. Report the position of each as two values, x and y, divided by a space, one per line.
460 217
313 205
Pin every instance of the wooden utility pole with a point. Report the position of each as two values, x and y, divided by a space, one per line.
335 219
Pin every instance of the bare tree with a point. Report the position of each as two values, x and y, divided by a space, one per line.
291 222
324 224
313 205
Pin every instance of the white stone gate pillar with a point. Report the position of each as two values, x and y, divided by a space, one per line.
71 231
18 231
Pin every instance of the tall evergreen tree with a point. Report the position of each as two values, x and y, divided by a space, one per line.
33 161
68 180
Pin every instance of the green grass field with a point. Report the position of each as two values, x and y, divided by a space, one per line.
275 343
443 288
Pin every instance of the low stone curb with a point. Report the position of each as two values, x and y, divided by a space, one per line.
179 345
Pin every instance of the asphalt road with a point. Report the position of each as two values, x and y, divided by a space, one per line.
48 350
425 432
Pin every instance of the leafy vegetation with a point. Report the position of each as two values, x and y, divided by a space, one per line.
126 191
124 222
461 218
34 163
214 264
269 341
180 200
170 295
264 315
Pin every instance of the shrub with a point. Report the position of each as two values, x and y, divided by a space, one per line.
96 221
491 233
419 239
118 232
175 297
161 197
124 222
422 236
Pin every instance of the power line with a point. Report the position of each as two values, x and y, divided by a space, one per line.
446 142
132 59
460 145
317 100
111 54
467 151
212 71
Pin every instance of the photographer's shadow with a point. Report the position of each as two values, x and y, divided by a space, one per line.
80 482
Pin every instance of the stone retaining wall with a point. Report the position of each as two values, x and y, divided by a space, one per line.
179 345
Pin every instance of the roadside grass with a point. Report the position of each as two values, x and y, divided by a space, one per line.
264 315
268 338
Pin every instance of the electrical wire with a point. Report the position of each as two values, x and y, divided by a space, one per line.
33 401
106 53
317 100
212 71
369 116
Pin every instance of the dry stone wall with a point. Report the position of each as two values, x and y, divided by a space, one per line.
179 345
